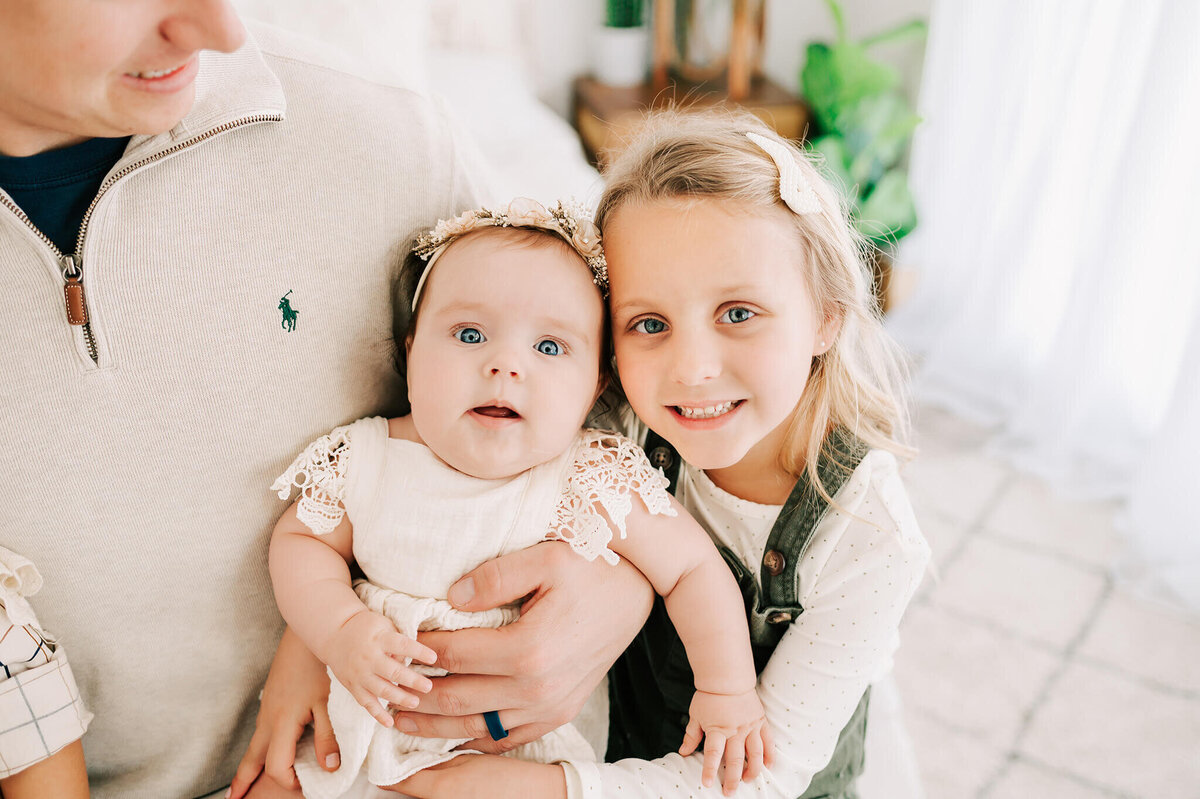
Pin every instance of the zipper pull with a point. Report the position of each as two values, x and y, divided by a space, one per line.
73 290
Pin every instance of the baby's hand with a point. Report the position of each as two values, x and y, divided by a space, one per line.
734 729
370 658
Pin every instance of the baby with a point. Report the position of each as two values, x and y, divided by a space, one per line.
505 351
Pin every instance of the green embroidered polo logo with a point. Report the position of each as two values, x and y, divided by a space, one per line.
289 313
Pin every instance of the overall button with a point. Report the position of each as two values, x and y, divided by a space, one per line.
779 617
774 562
661 458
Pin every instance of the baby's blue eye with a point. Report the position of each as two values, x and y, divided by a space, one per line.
650 326
736 315
469 335
548 347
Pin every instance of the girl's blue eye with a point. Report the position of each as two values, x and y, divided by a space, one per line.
469 335
548 347
735 315
650 326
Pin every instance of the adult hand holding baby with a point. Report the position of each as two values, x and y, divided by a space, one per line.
537 672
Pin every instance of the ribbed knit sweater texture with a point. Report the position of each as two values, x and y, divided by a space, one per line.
138 482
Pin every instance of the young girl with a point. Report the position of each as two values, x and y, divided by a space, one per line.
749 347
503 355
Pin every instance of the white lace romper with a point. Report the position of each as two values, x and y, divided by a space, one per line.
419 525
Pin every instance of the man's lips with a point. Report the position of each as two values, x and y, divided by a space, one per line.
169 79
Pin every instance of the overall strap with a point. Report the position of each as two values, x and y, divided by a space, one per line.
800 516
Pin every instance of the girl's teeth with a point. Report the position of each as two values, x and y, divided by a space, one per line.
708 412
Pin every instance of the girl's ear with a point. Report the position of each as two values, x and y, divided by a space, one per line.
827 333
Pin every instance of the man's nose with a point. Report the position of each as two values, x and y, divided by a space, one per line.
204 25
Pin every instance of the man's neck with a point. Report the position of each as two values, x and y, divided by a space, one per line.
21 141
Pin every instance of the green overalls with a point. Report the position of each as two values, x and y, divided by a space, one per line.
651 685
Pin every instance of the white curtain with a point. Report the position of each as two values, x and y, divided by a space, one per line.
1057 174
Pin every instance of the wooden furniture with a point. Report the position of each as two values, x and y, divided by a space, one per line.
605 115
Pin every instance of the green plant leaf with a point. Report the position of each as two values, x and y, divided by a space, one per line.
877 131
915 28
839 19
887 214
838 77
833 150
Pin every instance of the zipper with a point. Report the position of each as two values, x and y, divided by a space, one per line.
71 266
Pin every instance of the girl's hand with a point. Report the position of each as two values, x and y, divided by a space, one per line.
486 775
296 695
368 656
734 729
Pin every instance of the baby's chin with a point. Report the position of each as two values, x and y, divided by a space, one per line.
490 467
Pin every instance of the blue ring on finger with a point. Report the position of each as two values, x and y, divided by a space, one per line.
495 728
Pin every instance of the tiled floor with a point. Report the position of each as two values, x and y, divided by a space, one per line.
1027 669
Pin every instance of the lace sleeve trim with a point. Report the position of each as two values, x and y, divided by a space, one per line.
320 474
608 469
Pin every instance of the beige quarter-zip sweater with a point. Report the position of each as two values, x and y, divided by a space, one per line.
236 275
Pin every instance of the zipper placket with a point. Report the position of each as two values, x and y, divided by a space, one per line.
75 300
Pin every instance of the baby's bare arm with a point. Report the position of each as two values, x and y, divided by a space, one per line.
701 596
311 576
706 607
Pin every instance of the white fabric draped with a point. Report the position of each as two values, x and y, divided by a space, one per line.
1055 173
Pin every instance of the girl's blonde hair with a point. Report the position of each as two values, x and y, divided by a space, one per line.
860 382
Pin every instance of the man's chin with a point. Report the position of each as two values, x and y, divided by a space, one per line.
153 114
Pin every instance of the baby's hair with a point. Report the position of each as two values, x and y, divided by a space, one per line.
405 316
860 382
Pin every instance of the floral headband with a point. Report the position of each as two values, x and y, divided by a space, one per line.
569 222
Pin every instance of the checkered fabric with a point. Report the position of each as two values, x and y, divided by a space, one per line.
40 708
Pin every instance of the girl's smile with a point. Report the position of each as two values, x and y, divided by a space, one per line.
698 415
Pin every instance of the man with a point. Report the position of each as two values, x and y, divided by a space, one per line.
185 308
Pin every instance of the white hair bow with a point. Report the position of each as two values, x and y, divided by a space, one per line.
794 188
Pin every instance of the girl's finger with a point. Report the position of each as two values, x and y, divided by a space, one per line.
735 761
251 765
714 747
691 738
401 646
768 747
754 756
324 741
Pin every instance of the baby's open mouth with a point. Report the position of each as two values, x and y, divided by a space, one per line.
496 412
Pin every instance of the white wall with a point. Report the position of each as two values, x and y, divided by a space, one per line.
561 36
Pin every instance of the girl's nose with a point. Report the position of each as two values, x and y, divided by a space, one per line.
694 361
